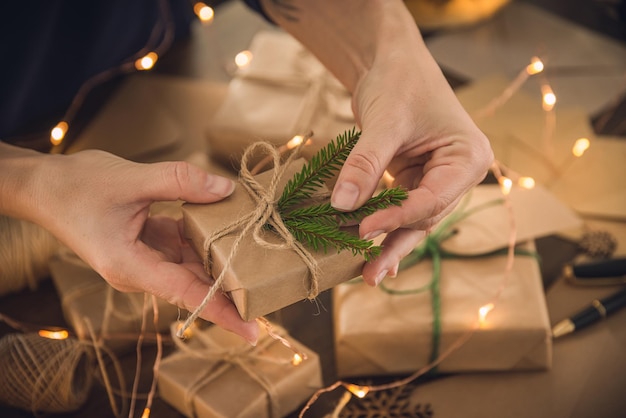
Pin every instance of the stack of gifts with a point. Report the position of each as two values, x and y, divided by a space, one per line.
215 373
284 91
95 310
455 303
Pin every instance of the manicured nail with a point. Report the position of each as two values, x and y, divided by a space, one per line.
394 271
380 277
373 234
345 196
220 185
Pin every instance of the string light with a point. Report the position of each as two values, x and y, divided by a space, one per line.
243 58
483 311
580 146
526 182
146 413
58 132
535 67
297 359
60 334
356 390
505 184
204 12
147 61
549 98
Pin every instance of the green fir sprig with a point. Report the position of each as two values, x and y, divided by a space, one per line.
319 225
322 166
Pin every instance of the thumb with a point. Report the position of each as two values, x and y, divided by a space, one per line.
361 172
182 180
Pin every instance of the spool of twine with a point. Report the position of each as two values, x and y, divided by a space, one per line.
44 375
25 249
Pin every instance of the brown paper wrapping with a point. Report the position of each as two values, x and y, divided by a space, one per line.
377 333
87 300
207 380
284 91
261 280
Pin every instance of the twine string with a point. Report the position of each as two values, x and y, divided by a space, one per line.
243 358
265 213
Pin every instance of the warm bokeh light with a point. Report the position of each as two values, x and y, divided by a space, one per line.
297 359
187 333
535 66
58 132
506 184
483 311
295 141
243 58
147 61
580 146
204 12
549 98
54 334
358 391
146 413
526 182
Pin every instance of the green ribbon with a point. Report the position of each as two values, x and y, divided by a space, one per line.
431 248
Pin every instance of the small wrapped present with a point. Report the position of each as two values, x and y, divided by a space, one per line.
216 374
89 303
434 304
261 280
284 91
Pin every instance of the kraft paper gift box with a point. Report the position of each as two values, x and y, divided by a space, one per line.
89 303
261 280
216 374
378 333
284 91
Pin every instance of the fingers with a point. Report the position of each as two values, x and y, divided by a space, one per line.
397 245
181 180
361 172
186 285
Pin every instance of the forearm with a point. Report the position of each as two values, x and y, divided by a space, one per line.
19 182
348 36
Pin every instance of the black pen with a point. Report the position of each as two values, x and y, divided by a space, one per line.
598 309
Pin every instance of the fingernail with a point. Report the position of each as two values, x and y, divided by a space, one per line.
394 271
380 277
345 196
253 342
220 185
373 234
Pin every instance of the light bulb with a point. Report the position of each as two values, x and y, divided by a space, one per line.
243 58
580 146
147 61
204 12
60 334
535 66
58 132
526 182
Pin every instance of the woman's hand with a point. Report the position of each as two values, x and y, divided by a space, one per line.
98 205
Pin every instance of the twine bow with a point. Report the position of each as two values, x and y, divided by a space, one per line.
243 357
265 213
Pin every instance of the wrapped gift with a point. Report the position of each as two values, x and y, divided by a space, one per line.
284 91
433 306
89 304
395 333
261 280
215 373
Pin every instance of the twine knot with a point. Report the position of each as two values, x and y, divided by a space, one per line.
265 214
